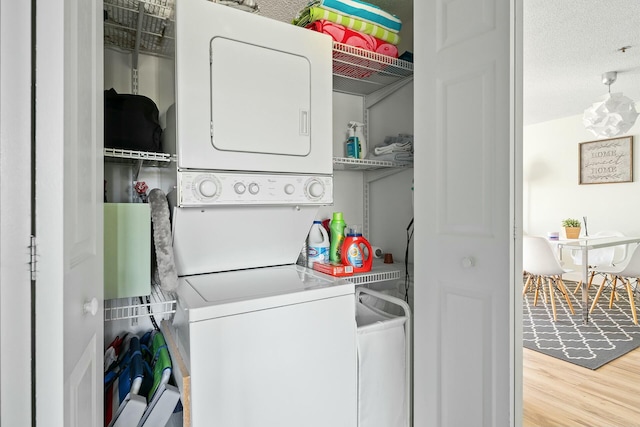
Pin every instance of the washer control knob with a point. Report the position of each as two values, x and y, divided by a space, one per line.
239 188
254 188
207 188
289 189
315 189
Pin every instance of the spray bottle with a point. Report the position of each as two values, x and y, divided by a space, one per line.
358 129
352 144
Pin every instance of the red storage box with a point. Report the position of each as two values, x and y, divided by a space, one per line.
334 269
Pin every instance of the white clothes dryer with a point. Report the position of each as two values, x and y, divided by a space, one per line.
252 93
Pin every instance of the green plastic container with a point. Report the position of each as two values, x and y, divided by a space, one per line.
127 250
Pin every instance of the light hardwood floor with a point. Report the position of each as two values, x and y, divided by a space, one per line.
558 393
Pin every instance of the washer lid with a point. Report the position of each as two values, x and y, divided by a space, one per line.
228 293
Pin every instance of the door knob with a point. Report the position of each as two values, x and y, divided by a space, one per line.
91 306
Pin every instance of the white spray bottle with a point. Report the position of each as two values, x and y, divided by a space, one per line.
359 133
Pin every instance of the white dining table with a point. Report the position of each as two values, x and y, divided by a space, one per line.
585 244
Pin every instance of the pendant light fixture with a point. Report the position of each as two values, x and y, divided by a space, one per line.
613 115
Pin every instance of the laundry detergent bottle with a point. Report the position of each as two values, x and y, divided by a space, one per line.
354 249
317 245
337 227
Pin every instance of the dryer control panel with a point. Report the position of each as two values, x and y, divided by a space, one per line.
205 188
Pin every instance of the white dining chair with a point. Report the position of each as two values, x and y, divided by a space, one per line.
626 273
539 261
603 257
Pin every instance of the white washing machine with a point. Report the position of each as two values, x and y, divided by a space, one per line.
269 347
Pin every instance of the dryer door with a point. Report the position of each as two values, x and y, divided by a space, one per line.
252 98
252 93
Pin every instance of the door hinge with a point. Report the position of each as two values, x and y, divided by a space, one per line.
211 128
32 256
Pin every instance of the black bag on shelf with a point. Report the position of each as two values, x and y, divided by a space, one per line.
131 122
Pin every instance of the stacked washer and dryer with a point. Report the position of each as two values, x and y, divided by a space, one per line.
267 342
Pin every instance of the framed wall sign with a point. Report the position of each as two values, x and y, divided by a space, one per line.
606 161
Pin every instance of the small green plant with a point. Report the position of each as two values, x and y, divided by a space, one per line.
570 222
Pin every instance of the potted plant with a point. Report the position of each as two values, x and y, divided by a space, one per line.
571 228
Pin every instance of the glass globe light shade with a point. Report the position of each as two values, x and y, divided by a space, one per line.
613 115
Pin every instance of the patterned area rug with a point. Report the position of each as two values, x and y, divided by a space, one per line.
609 334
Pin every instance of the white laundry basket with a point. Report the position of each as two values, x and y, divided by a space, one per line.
384 362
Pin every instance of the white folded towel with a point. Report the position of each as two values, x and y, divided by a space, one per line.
398 156
402 142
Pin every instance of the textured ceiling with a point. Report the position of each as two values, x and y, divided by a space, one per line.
568 45
282 10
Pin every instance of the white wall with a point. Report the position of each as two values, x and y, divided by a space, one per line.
551 191
155 77
390 198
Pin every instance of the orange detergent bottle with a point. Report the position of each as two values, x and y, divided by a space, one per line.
354 249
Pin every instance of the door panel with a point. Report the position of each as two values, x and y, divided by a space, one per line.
460 21
464 122
247 105
68 208
83 382
475 159
475 376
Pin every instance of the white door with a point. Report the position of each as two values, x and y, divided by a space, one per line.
69 183
15 213
465 115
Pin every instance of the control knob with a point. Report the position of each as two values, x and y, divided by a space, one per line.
239 188
207 188
254 188
315 189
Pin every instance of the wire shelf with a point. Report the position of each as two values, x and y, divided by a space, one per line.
347 163
361 71
131 156
379 273
151 22
122 308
